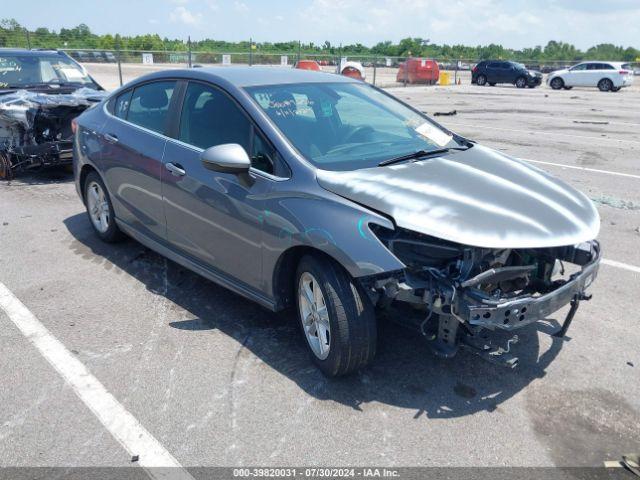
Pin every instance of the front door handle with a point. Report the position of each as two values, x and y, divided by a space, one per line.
109 137
175 169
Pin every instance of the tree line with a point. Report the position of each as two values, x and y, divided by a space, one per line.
12 34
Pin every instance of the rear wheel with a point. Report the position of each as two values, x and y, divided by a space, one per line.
605 85
521 82
100 209
336 317
481 80
557 83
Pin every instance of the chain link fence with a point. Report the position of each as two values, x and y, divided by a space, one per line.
114 66
383 71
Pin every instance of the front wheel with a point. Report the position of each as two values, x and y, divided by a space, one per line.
521 82
100 209
336 317
605 85
557 83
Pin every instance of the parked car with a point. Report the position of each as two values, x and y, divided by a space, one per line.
324 194
40 92
418 70
109 57
607 76
353 70
307 65
492 72
96 57
80 56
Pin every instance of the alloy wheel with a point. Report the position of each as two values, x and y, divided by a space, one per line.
314 315
98 207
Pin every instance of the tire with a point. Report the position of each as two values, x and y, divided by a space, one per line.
556 83
100 209
348 312
481 80
605 85
521 82
6 173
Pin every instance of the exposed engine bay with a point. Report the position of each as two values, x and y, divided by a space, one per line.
458 291
35 127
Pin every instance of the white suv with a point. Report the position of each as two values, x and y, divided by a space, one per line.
607 76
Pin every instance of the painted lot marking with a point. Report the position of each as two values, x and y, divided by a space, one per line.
624 266
125 428
586 169
538 132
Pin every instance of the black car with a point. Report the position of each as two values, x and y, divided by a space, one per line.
41 91
498 71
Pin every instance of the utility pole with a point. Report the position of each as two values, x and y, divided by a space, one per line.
189 47
299 48
250 51
28 39
118 56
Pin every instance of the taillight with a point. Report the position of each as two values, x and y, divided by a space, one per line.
74 125
623 72
474 69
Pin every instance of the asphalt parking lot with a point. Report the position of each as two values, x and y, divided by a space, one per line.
218 381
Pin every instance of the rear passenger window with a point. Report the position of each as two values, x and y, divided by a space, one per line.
149 105
121 106
606 66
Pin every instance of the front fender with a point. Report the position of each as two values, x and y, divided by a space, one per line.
336 227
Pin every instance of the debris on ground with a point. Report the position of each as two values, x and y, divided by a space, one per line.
135 458
615 202
591 122
445 114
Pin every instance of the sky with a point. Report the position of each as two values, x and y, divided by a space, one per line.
513 23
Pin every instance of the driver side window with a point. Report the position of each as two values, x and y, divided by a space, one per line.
210 117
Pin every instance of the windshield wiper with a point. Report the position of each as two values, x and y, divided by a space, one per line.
418 154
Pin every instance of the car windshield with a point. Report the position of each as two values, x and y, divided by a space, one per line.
22 71
348 126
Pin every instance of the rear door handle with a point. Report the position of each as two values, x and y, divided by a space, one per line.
175 169
109 137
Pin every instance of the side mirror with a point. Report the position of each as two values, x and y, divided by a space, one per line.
226 158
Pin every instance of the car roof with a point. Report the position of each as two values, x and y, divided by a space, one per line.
601 61
29 53
253 76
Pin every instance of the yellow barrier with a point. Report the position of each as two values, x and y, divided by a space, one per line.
444 78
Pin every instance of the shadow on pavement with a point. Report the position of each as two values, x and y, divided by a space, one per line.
44 176
404 374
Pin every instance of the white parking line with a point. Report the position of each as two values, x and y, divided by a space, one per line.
158 462
537 132
624 266
586 169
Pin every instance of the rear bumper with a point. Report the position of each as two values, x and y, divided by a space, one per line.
513 314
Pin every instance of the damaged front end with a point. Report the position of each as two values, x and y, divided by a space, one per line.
35 127
453 294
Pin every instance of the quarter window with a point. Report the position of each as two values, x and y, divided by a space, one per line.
149 105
